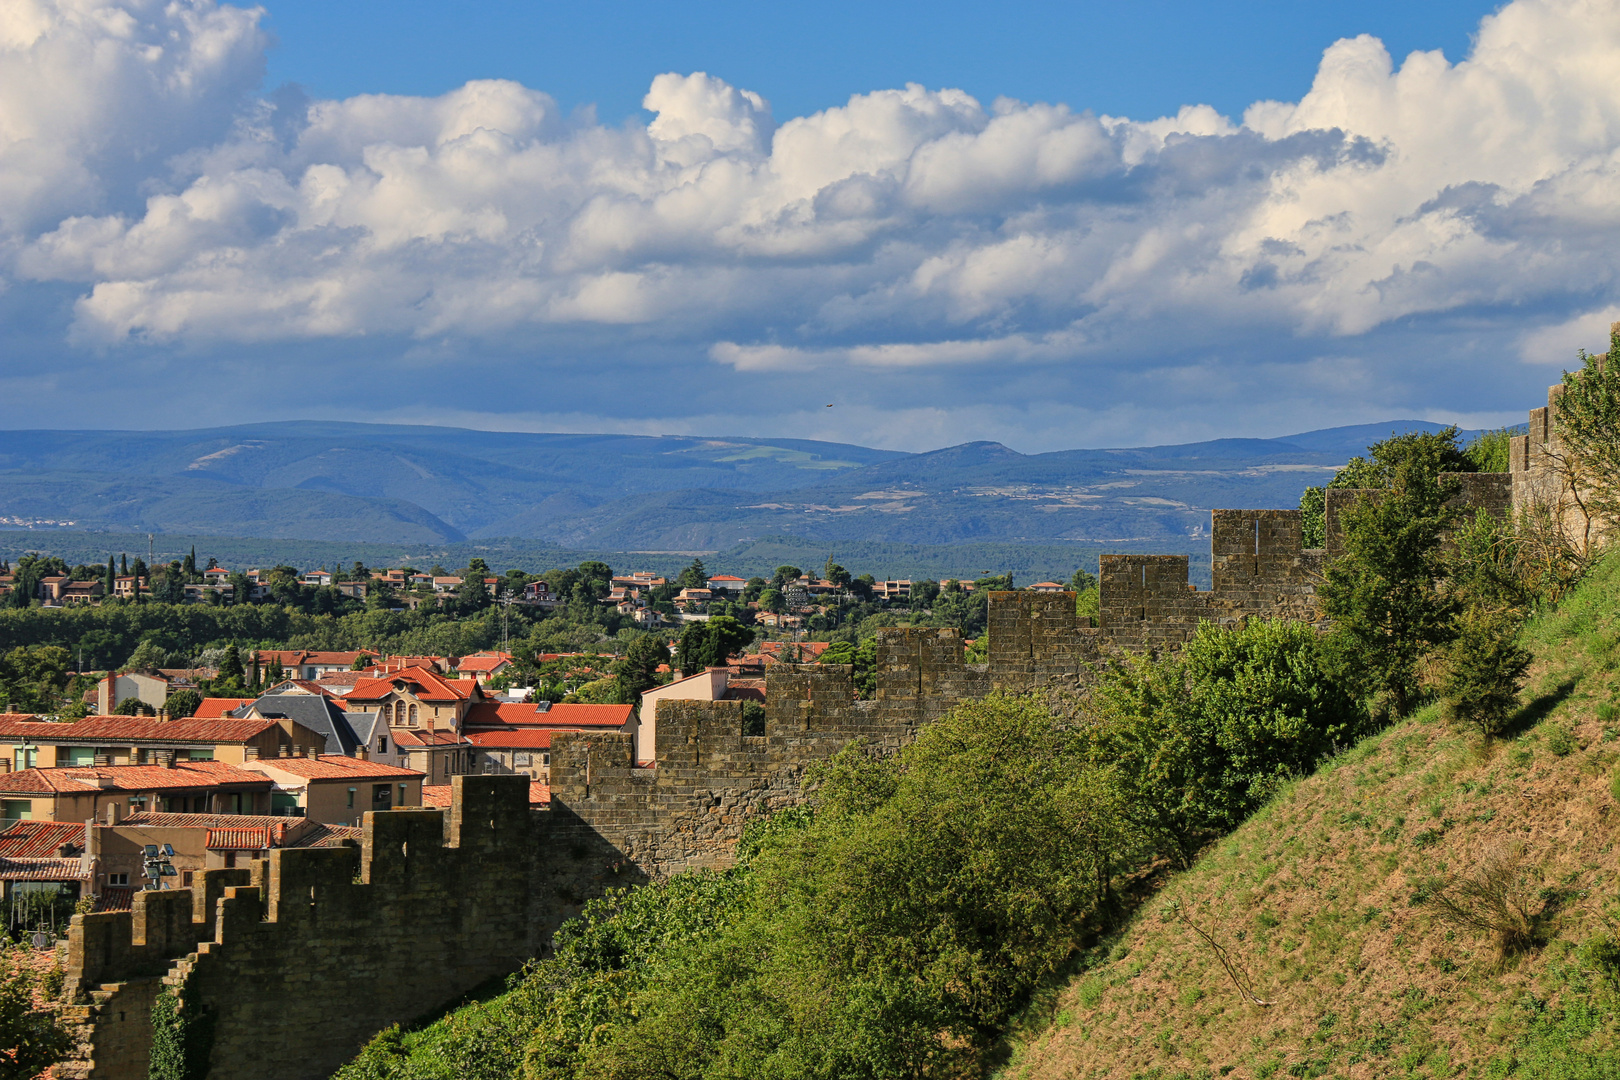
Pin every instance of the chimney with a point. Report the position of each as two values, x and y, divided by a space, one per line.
112 813
283 751
250 753
360 753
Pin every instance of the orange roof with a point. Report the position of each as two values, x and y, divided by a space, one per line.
330 767
40 839
728 577
219 706
255 838
77 781
425 684
481 663
158 820
298 657
562 715
127 729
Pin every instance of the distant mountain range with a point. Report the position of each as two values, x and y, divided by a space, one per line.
428 485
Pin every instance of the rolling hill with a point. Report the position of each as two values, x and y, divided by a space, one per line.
419 485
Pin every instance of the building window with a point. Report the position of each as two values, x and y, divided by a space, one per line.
382 745
402 794
380 797
185 879
118 879
351 798
399 712
17 809
413 716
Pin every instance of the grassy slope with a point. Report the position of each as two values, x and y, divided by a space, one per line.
1320 897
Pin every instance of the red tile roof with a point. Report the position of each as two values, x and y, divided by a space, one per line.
481 663
75 781
786 650
40 839
322 835
115 898
331 767
122 730
425 684
157 820
42 870
218 706
490 714
254 838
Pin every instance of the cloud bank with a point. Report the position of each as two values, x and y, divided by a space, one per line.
1401 240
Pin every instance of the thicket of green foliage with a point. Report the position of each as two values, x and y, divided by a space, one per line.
895 931
30 1038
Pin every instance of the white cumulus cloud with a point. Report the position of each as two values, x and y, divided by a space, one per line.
909 229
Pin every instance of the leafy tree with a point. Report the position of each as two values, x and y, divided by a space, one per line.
476 568
472 596
1377 470
1490 451
836 574
863 657
1082 580
1588 456
694 576
862 587
1484 668
1384 593
148 656
182 703
35 678
35 1039
773 601
709 644
132 706
753 588
230 668
923 592
785 574
638 671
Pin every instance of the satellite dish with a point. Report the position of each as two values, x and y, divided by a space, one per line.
41 940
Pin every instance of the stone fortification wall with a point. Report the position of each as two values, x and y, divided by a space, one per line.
299 960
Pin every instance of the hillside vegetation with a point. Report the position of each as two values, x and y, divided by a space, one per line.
1326 904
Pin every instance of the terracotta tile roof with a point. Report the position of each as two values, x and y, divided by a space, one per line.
490 714
786 650
156 820
42 869
744 693
539 794
253 838
214 707
728 577
74 781
121 730
330 767
40 839
481 663
424 683
527 738
116 898
423 737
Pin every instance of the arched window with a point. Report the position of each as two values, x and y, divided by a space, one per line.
413 716
399 712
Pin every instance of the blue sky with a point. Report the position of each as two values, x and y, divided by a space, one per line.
1142 59
1048 225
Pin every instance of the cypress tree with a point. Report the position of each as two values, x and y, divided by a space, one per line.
123 565
107 586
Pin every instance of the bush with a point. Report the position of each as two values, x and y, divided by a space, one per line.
1484 666
1498 898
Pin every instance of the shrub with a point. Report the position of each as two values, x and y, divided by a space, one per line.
1498 898
1484 666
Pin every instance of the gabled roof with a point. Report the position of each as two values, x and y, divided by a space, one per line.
317 712
184 775
322 835
300 657
55 869
423 683
157 820
728 577
332 767
490 714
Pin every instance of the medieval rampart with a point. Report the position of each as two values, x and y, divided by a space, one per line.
298 960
